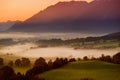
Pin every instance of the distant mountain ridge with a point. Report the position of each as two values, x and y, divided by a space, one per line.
6 25
74 16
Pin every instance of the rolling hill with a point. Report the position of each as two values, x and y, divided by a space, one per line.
84 69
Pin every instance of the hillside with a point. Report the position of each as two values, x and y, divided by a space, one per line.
117 34
6 25
99 16
84 69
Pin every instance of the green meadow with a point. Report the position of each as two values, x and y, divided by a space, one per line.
96 70
21 69
8 58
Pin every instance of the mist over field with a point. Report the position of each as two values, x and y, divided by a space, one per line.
53 52
24 45
22 35
67 40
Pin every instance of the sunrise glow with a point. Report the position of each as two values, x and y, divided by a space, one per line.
23 9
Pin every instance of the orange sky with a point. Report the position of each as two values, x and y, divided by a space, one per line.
23 9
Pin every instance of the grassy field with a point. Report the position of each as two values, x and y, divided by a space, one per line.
8 58
21 69
85 69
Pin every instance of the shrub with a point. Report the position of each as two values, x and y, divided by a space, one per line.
24 62
116 58
7 73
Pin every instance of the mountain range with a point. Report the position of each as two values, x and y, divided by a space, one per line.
6 25
98 16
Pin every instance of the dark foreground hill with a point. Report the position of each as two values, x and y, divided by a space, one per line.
95 70
98 16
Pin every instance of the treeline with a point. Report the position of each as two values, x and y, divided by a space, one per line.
6 42
106 58
40 66
80 41
23 62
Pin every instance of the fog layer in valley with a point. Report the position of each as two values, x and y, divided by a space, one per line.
24 45
19 35
24 50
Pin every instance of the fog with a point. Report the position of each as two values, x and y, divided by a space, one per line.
24 50
29 35
66 52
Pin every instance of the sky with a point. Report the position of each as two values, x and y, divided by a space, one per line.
22 9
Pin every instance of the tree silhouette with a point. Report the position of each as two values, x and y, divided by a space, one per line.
50 64
41 63
72 60
7 73
10 63
1 61
25 62
116 58
18 63
85 58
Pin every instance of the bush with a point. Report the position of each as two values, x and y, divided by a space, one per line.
18 63
7 73
10 63
24 62
116 58
41 63
50 64
85 58
72 60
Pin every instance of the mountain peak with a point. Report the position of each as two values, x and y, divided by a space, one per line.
75 16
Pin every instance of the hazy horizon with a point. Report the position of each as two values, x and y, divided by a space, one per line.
59 39
49 35
24 9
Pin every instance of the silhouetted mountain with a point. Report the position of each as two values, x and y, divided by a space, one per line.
6 25
75 16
